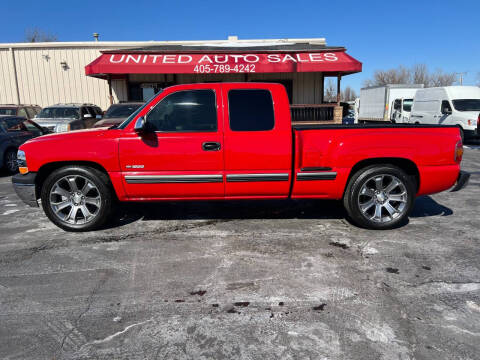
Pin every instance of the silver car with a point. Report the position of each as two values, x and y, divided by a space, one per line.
66 117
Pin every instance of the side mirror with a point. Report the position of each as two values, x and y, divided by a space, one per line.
446 111
140 125
87 116
99 117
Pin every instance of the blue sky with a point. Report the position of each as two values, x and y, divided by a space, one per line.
383 34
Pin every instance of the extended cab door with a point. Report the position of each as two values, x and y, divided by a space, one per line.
181 154
258 140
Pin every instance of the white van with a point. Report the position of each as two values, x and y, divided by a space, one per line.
449 105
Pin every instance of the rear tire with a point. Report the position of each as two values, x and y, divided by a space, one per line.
10 161
77 198
379 197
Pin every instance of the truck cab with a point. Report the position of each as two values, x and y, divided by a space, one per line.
401 110
449 105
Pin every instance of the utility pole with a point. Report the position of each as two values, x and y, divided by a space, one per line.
461 74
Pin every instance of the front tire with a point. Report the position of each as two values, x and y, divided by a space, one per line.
77 198
379 197
10 161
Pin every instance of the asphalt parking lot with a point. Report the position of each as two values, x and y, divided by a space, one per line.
269 280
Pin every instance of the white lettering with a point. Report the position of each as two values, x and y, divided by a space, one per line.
155 57
217 59
315 57
300 60
168 59
273 58
136 60
145 58
112 59
289 57
255 58
236 57
187 60
205 58
331 57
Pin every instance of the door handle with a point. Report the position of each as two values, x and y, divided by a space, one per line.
211 146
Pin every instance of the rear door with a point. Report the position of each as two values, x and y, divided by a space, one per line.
182 156
258 141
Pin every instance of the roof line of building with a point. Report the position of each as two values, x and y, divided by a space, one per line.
104 44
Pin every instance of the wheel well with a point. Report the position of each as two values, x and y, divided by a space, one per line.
47 169
406 165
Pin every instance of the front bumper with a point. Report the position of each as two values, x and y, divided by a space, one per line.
462 181
24 186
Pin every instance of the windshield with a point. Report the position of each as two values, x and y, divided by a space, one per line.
8 111
407 104
467 104
119 111
59 113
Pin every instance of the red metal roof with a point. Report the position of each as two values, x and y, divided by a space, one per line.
141 62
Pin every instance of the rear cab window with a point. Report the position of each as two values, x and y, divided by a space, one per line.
251 110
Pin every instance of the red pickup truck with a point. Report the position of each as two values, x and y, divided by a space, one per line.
235 141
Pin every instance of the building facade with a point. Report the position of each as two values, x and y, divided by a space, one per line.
109 72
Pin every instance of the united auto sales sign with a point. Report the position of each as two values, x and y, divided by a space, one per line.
223 63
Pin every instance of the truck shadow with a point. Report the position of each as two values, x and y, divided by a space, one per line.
262 209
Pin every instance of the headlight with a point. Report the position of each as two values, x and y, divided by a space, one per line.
22 162
62 127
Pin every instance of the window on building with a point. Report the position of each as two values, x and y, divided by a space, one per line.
184 111
251 110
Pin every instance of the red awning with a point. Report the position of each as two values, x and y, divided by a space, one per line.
220 63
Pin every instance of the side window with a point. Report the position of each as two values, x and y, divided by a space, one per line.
446 108
251 110
22 112
183 111
14 124
397 105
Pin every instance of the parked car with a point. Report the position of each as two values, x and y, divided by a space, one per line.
26 111
387 103
14 131
66 117
117 113
449 105
236 141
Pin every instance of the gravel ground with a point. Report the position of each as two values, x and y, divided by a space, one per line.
250 280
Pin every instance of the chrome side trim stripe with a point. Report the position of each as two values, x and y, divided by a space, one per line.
304 176
168 179
257 177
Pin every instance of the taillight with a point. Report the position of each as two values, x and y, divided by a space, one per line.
478 121
458 152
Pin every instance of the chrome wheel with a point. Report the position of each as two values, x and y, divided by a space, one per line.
382 198
11 161
75 199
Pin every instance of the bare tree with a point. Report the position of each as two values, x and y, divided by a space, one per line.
420 75
330 94
417 74
401 75
348 94
37 35
439 78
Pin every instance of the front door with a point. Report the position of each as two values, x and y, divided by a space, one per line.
181 154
